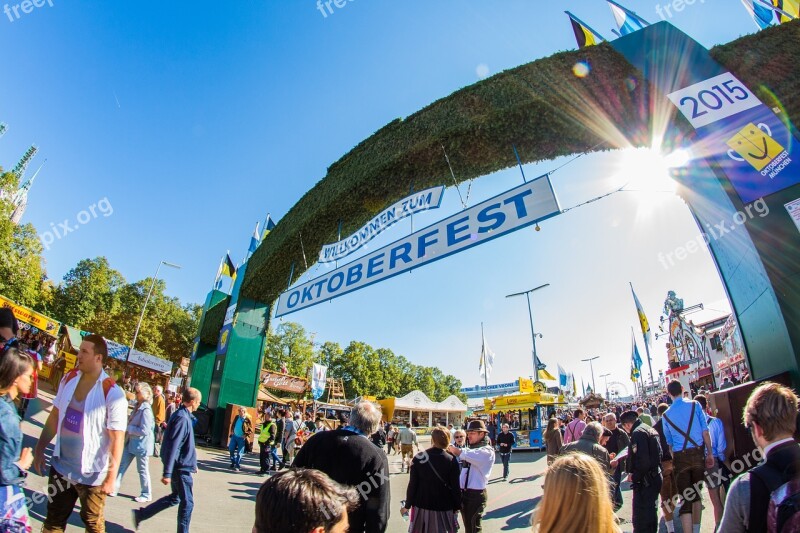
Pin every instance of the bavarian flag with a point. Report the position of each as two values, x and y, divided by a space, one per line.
627 21
584 34
228 268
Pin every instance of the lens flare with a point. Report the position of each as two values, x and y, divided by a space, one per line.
581 69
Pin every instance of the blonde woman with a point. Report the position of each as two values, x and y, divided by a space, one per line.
576 498
139 442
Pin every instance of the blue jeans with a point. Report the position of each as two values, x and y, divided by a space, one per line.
181 496
505 457
141 467
236 447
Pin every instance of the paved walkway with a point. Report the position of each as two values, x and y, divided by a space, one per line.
224 500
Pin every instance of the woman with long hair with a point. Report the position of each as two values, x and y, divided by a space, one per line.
576 498
139 442
16 375
553 440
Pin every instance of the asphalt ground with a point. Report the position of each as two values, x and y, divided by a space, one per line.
225 500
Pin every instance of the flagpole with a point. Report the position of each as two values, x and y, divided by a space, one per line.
776 9
485 368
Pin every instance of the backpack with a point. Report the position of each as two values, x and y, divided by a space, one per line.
783 514
108 383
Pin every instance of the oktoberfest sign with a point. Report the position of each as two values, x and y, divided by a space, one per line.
284 382
512 210
419 201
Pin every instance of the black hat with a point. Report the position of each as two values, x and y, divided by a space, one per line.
8 320
477 425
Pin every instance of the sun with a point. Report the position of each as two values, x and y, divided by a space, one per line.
647 172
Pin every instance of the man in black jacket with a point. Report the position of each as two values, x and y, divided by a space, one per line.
617 442
505 441
280 425
644 465
348 456
180 462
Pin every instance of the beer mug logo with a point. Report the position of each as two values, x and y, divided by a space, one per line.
755 145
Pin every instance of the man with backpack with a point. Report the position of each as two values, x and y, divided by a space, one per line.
766 498
89 419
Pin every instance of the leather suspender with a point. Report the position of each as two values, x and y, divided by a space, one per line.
686 434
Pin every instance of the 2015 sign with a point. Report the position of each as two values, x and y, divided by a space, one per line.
713 99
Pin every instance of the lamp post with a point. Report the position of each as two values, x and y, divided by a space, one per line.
144 307
605 380
592 369
533 335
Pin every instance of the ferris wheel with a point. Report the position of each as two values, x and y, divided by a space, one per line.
620 388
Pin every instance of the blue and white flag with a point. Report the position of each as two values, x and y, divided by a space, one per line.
627 20
763 15
318 375
636 359
254 241
563 379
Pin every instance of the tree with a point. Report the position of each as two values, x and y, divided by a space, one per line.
291 345
22 276
89 289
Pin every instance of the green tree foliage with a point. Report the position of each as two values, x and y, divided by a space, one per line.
22 277
363 369
95 297
289 344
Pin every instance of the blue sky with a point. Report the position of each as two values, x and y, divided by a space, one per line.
195 119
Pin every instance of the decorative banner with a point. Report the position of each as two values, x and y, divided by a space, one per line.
742 135
150 361
195 347
284 382
224 337
318 373
512 210
40 321
417 202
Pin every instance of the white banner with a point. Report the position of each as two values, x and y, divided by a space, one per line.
512 210
229 314
419 201
150 361
318 374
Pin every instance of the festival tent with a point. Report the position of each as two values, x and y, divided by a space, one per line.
416 406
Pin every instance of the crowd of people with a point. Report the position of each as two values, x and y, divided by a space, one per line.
669 448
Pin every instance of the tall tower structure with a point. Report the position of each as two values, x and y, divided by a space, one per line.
19 170
20 200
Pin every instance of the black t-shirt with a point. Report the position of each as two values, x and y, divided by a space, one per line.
505 441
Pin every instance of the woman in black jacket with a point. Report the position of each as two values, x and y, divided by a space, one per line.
434 493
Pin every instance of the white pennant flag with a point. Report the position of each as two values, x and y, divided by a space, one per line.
487 360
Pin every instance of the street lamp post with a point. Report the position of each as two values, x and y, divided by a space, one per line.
605 378
533 335
594 389
144 307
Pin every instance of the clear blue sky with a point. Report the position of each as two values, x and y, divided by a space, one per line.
195 119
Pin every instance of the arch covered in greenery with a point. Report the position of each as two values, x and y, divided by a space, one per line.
542 108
